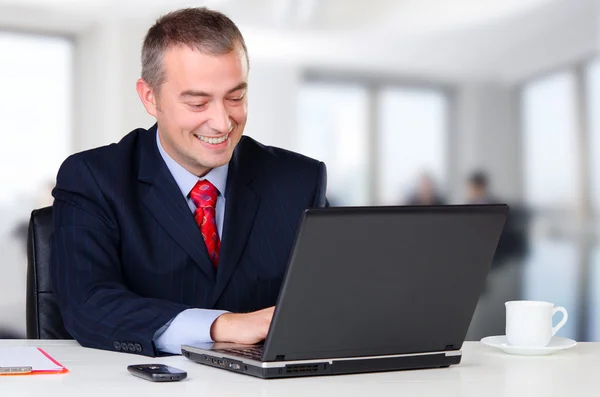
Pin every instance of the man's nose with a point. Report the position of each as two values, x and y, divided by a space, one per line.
220 118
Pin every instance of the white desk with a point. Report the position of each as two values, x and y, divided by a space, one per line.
483 372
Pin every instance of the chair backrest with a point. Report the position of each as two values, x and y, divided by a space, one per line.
44 320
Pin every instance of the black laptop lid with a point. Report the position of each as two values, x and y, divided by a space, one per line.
383 280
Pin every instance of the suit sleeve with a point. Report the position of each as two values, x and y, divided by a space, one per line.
97 308
320 199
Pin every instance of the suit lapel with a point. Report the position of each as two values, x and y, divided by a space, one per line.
166 203
240 211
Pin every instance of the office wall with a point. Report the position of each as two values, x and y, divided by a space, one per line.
98 101
486 137
558 35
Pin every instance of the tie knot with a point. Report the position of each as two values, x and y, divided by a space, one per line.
204 194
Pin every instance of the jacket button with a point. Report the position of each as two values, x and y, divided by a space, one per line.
138 348
131 347
124 346
117 345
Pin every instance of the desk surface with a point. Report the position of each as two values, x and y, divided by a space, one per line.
483 372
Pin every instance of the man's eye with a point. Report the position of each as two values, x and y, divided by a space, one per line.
197 105
237 99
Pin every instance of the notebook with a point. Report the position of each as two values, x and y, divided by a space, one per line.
34 357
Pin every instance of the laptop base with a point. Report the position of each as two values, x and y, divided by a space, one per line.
355 365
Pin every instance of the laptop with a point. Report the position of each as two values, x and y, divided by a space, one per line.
372 289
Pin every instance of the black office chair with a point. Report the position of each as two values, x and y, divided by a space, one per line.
44 320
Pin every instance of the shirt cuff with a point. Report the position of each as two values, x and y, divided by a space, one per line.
191 326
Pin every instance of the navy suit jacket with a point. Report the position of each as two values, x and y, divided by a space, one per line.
128 256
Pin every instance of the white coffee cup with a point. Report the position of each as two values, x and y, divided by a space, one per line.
529 323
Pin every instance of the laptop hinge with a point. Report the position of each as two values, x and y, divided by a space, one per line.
280 357
449 347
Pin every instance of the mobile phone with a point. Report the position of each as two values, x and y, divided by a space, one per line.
157 372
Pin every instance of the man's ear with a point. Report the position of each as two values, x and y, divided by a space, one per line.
147 95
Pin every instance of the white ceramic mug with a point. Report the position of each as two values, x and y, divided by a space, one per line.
529 323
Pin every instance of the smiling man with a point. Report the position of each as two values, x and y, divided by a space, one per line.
181 233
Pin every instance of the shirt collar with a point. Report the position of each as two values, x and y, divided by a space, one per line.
186 180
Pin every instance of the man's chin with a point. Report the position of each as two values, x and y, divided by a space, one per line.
215 161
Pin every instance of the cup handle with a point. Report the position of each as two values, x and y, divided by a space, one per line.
562 322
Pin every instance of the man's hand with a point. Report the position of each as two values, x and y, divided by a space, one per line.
244 328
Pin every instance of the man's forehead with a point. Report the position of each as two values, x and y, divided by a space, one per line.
193 64
202 93
181 50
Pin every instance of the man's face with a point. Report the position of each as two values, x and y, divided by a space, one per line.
201 108
476 192
426 187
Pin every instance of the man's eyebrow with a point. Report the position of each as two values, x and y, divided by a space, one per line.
238 87
193 93
196 93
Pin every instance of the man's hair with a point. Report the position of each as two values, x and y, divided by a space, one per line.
199 28
479 179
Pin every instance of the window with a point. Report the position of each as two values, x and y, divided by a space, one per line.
593 98
413 125
551 189
35 105
550 141
36 111
593 79
363 130
333 128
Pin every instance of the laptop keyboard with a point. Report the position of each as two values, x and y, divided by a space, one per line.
253 352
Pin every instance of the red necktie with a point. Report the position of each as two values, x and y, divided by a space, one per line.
204 195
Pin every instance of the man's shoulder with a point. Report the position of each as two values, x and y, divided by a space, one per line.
111 156
272 155
108 167
298 179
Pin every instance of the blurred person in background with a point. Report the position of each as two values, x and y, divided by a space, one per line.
137 260
513 241
426 192
478 189
504 280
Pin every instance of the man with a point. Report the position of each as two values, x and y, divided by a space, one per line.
478 190
181 233
426 192
513 242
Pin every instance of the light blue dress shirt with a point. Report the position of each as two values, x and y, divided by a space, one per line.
192 325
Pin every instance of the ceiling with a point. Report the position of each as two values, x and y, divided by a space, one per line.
392 16
445 39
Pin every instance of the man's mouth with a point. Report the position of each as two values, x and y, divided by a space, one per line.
213 141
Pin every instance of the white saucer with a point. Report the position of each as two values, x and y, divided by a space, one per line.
557 343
